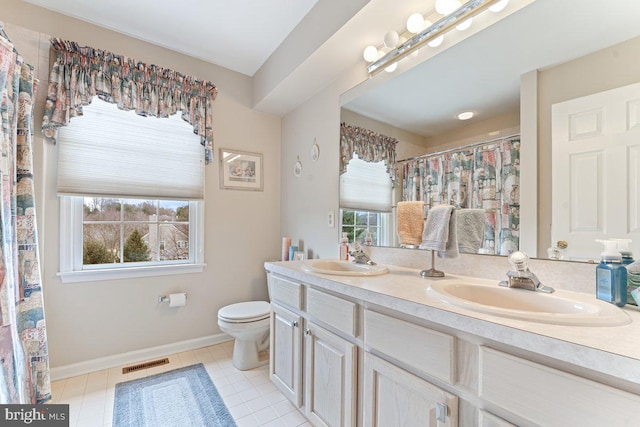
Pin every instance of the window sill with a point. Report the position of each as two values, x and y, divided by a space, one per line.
128 273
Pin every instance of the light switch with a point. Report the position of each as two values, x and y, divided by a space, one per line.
331 219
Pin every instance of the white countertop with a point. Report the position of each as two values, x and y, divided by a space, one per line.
612 350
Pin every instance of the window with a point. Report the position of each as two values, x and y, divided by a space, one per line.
359 224
128 231
365 201
131 192
365 186
104 238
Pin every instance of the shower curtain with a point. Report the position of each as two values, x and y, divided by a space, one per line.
24 360
486 176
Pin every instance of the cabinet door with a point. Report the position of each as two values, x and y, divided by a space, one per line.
330 378
396 398
286 353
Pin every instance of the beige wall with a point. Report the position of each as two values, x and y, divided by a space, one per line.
606 69
306 199
86 321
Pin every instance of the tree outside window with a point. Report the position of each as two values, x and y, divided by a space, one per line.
134 231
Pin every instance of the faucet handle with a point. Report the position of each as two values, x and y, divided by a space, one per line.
519 261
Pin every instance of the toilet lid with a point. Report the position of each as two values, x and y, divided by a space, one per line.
245 311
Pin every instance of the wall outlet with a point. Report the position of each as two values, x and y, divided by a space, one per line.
331 219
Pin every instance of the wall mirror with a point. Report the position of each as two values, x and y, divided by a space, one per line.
578 48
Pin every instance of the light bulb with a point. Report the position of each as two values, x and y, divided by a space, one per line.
464 25
415 23
436 42
499 6
391 39
465 115
391 68
445 7
370 53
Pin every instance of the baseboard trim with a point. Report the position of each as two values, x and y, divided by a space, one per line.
81 368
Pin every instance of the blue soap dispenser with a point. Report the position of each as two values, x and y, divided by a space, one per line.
611 275
625 250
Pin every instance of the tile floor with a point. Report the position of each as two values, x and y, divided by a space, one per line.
250 396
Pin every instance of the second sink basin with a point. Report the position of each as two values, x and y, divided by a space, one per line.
343 268
560 308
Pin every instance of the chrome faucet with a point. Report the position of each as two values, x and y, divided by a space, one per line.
521 277
359 257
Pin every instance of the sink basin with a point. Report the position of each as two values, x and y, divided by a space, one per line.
343 268
560 307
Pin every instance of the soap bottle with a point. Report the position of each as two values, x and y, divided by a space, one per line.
368 239
344 247
625 250
611 275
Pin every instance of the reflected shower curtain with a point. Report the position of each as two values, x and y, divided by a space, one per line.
24 360
486 176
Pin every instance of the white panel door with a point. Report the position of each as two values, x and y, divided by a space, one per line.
396 398
596 184
285 356
330 378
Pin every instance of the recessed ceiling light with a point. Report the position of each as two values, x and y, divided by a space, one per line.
465 115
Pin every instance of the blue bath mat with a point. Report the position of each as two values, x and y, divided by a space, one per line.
178 398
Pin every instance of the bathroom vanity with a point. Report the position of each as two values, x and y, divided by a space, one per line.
384 350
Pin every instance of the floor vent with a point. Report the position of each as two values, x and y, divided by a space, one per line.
145 365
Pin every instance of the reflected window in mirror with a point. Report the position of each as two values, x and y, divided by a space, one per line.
365 227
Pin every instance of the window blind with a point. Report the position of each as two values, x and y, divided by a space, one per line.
109 152
365 186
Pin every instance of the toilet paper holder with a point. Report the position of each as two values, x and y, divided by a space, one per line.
165 298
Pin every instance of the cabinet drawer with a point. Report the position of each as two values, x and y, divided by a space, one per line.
286 292
485 419
333 311
549 397
423 349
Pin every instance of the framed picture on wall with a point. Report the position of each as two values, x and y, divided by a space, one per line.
240 170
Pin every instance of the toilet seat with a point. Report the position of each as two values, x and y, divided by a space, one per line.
245 312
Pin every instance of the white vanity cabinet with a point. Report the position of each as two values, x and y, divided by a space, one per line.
313 366
545 396
330 378
349 356
285 357
395 398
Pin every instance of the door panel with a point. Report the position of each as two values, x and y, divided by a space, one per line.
596 151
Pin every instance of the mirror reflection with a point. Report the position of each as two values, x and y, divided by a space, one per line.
442 159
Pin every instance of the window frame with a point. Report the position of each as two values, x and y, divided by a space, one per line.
383 231
71 247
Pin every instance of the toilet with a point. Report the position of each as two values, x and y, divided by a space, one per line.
248 323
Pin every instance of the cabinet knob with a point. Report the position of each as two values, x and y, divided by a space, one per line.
307 331
294 324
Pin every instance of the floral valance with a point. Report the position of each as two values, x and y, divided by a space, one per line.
369 146
80 73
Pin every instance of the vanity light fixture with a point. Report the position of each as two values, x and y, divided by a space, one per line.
445 7
466 115
459 17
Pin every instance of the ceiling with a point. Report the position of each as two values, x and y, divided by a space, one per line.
482 73
237 34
